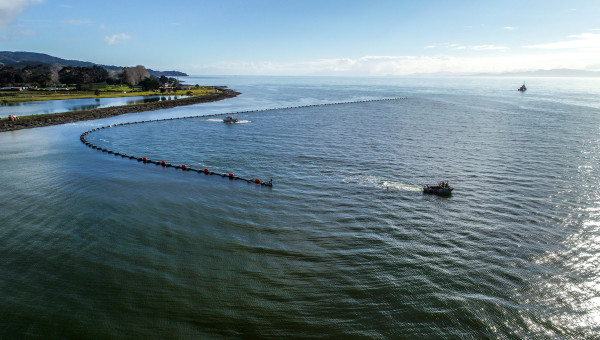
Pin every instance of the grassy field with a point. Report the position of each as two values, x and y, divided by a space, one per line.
194 94
108 92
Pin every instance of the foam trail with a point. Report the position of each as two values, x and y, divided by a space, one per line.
241 121
381 183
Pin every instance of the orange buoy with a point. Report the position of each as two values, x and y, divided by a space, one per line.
206 170
163 163
257 181
183 166
231 175
144 159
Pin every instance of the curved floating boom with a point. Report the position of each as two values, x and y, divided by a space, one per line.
227 119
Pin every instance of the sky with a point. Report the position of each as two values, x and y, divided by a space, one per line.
308 37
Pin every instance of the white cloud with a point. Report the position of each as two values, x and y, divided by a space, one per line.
509 28
582 42
454 46
430 46
9 9
404 65
459 47
75 22
489 48
116 38
28 32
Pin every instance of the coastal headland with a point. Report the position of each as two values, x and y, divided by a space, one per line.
34 121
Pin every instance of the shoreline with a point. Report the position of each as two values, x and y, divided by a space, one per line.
11 97
49 119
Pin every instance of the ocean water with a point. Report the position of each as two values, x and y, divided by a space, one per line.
56 106
344 245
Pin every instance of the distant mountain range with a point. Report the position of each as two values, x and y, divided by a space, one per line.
564 73
22 59
544 73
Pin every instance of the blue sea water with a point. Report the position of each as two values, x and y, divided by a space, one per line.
56 106
344 245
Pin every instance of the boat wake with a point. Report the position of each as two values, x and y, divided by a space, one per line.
241 121
381 183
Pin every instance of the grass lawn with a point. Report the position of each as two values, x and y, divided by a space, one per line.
108 92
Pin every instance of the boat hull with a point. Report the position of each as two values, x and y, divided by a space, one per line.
230 120
437 190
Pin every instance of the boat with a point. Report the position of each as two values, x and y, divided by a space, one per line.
442 189
230 119
523 88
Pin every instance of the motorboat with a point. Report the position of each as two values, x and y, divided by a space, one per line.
230 120
442 189
523 88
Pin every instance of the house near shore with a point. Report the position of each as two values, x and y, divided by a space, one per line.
177 86
167 86
14 88
180 86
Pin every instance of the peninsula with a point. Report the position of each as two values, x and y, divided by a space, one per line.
34 121
29 76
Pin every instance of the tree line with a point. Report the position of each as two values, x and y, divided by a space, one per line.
45 76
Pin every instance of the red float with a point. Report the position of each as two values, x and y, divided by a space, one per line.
257 181
163 163
231 175
183 166
206 170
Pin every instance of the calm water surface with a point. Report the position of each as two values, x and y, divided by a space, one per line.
55 106
343 245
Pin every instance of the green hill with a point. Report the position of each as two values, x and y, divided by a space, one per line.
22 59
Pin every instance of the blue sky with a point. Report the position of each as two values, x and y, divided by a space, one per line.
362 38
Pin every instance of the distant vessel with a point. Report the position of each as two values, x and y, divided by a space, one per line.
523 88
442 189
230 120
